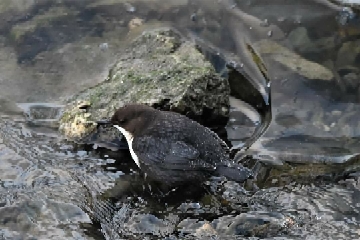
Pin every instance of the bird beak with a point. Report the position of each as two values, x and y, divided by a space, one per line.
104 122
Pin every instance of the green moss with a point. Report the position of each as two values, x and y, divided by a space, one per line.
135 78
66 117
95 98
179 75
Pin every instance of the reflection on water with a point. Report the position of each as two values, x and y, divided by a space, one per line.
293 67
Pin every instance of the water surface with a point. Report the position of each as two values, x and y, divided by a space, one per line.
299 61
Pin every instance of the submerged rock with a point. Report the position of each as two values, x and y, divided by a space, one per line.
22 29
316 49
293 61
159 69
348 54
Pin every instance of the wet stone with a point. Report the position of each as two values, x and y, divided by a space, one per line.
160 69
315 49
294 62
258 224
349 54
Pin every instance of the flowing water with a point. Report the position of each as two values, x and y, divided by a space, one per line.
294 120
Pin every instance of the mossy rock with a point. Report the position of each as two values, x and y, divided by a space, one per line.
160 69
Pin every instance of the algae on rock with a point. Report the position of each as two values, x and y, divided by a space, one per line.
160 69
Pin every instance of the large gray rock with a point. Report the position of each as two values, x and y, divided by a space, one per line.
159 69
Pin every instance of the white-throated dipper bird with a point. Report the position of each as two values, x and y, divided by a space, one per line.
172 148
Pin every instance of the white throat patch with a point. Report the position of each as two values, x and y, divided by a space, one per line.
129 138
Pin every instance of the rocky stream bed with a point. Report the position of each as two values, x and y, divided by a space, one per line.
278 81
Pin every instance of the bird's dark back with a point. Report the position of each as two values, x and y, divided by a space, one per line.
176 127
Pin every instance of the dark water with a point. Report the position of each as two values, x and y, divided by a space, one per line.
295 106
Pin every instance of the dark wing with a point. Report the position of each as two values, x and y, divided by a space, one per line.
235 172
223 144
168 155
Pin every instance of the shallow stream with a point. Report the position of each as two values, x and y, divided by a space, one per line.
299 132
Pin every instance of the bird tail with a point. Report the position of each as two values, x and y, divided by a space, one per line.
235 172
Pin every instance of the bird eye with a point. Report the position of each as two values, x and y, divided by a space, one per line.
121 121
